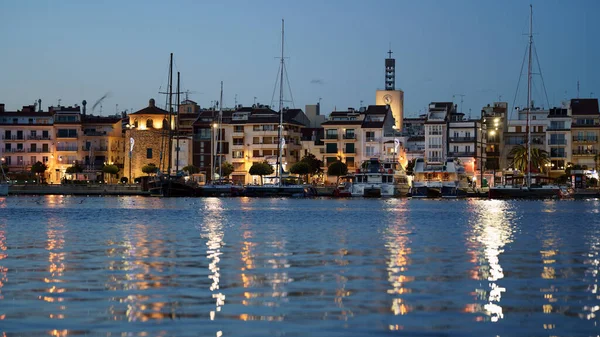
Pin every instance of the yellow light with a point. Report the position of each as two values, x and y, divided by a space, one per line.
492 133
215 125
497 120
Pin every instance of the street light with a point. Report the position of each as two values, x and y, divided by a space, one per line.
131 142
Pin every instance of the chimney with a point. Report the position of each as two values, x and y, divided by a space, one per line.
40 105
151 103
84 103
1 107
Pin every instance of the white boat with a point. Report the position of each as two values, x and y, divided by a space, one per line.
527 190
435 180
379 179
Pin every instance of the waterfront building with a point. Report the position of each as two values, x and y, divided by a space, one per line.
148 131
390 95
495 120
516 133
313 113
436 131
466 142
354 136
585 129
558 141
27 137
247 135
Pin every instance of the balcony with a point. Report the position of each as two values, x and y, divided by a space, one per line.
584 153
94 148
348 136
38 150
494 153
13 138
557 142
95 133
13 150
585 139
39 138
67 148
372 139
462 139
461 154
335 137
349 151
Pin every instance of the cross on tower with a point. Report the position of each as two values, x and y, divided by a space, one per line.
390 54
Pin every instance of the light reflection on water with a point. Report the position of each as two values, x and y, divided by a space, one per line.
255 267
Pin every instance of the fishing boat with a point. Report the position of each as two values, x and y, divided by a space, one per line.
344 187
539 189
166 184
376 179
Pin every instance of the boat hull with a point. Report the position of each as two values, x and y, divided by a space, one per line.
220 191
524 193
452 192
3 189
280 191
171 188
425 192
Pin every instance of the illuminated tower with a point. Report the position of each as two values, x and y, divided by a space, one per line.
390 96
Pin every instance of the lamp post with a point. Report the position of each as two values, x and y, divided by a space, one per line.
131 142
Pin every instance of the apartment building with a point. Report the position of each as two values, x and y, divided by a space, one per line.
585 129
516 132
436 131
495 119
558 141
246 135
466 142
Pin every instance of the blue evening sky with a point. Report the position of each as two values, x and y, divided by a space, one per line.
74 50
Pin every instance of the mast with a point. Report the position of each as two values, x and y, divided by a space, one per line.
279 129
170 142
177 130
527 127
220 120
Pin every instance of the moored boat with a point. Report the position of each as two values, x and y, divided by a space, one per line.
376 179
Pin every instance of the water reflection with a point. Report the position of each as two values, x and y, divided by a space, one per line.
591 310
55 242
3 269
213 232
490 232
397 241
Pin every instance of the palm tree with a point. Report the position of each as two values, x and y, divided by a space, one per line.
539 158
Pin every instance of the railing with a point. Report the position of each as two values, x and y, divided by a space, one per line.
349 136
574 123
461 154
13 138
95 133
591 152
39 138
331 136
349 151
558 155
557 142
94 148
585 138
434 159
13 150
462 139
30 150
66 148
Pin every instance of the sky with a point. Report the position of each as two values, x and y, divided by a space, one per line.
74 50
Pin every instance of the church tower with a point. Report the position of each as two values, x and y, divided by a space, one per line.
390 96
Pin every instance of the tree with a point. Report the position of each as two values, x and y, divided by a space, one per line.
301 168
261 169
226 169
338 169
191 169
110 170
149 169
314 164
539 158
410 167
38 168
76 168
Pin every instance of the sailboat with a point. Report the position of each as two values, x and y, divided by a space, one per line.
527 190
220 187
164 184
280 189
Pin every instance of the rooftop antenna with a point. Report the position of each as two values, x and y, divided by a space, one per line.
254 100
361 103
461 100
235 101
117 109
577 88
59 101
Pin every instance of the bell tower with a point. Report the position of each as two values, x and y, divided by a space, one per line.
390 72
390 96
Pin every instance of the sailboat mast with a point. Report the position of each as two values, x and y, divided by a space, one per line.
177 130
279 129
529 97
219 132
170 142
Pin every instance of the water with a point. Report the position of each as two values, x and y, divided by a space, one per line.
135 266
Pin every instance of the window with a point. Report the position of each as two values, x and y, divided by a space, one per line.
33 148
7 134
204 133
33 134
238 141
33 160
238 154
456 134
331 134
7 160
44 159
330 160
331 148
66 133
238 128
45 135
149 153
349 148
455 148
557 125
468 148
468 134
350 134
30 120
370 136
149 124
7 147
350 162
256 153
370 150
256 140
